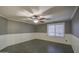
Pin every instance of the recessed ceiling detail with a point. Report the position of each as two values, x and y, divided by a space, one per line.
38 14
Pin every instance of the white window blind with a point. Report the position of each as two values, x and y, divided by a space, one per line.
56 29
51 29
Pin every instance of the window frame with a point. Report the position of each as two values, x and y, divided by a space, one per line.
55 29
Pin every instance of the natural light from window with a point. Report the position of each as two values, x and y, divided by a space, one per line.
56 29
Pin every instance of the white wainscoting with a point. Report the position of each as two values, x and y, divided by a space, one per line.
11 39
75 43
18 38
44 36
2 41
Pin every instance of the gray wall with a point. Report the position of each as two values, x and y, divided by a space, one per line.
19 27
13 27
43 27
3 26
75 24
68 27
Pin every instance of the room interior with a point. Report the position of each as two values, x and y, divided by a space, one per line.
39 29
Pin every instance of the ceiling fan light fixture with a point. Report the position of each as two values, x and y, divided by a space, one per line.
36 21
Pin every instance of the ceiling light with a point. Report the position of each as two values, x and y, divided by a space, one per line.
35 21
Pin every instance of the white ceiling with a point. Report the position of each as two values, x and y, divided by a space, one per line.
20 13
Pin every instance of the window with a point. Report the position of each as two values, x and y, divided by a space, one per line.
56 29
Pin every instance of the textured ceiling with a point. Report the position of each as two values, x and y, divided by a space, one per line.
20 13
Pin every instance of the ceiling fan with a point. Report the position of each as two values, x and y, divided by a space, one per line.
37 15
38 18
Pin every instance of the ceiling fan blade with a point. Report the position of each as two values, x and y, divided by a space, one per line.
42 22
46 17
41 18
